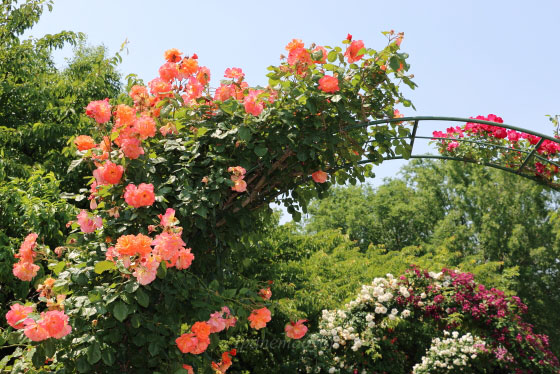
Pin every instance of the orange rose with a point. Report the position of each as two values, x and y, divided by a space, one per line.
319 176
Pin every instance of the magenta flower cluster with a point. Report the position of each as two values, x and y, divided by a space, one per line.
450 142
493 315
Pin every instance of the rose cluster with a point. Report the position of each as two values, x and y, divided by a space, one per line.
25 269
136 254
519 145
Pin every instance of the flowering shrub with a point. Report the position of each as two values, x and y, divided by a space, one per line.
451 354
179 172
492 143
391 325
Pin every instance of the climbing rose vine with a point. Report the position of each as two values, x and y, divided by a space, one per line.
145 281
484 142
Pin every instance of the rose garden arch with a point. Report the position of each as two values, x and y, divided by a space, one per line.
525 166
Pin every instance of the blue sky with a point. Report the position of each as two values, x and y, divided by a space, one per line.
468 57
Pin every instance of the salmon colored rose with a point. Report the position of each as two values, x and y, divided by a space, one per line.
352 51
168 71
265 293
99 110
17 314
84 142
294 44
88 225
140 196
25 271
36 331
296 330
259 318
328 84
131 245
56 324
319 176
172 55
252 106
112 173
145 126
222 366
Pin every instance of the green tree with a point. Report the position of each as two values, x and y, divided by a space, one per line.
394 215
41 107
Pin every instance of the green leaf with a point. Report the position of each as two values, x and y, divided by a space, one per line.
142 298
135 321
317 55
108 357
244 133
214 285
56 269
131 287
93 353
260 150
394 63
102 266
154 348
202 211
229 106
310 104
82 365
229 292
162 270
332 56
39 357
120 311
94 296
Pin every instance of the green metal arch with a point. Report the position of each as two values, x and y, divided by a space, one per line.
522 170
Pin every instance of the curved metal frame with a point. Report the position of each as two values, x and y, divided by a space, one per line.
529 154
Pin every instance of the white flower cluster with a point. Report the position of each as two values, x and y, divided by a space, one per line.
380 295
351 328
451 354
336 327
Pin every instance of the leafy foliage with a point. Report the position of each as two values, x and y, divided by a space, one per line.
40 110
28 204
41 107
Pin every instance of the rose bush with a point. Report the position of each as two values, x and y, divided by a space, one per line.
425 322
510 148
144 282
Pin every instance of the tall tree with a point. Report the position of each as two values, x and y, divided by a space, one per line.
41 106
